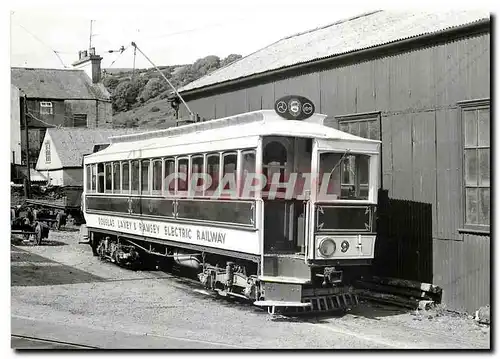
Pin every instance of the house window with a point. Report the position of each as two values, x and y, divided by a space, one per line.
46 108
79 120
47 152
475 116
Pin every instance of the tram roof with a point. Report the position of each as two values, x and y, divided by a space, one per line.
247 125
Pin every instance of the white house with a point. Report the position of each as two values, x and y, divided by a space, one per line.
62 151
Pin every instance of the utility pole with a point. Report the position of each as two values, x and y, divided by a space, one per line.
133 69
90 38
27 181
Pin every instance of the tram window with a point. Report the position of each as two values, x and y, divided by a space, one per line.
347 176
169 171
157 176
108 178
94 178
116 177
213 165
230 163
134 176
100 177
88 178
183 180
329 174
125 177
197 168
145 176
248 167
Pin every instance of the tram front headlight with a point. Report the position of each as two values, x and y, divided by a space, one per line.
327 247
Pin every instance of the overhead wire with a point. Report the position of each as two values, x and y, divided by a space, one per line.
42 42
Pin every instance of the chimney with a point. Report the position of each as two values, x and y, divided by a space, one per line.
90 63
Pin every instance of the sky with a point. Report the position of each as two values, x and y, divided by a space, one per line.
167 32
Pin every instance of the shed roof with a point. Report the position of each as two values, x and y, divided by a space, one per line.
71 144
57 84
342 37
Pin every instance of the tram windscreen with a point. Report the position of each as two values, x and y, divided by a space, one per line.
343 176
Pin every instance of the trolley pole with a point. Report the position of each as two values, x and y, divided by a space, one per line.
27 182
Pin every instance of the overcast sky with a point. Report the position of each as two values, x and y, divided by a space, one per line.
168 32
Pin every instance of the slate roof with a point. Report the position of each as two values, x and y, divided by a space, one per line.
57 84
71 144
354 34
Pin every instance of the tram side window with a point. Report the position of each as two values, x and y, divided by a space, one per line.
125 177
230 163
116 177
100 177
88 178
107 174
94 178
134 176
248 171
197 170
183 180
145 164
157 176
169 175
213 165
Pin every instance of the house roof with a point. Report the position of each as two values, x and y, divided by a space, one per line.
71 144
57 84
342 37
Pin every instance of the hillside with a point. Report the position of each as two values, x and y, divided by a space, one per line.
139 98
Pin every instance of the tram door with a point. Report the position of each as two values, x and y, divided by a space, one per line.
284 161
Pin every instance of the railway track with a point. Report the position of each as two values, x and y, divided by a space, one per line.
56 344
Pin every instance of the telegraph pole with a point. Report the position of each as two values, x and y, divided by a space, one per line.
27 182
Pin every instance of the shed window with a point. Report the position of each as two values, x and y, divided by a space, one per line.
365 125
134 176
80 120
157 176
476 164
125 177
116 177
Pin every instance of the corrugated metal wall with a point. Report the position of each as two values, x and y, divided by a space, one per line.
417 94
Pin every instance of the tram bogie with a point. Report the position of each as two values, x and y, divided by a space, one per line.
280 212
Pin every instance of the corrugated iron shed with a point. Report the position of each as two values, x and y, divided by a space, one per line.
347 36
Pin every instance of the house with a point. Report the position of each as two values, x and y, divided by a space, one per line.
57 98
420 83
61 155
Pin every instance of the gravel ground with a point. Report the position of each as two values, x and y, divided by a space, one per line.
60 291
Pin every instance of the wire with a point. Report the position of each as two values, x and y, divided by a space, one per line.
120 54
45 123
37 38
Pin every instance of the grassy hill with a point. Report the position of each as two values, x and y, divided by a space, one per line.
139 98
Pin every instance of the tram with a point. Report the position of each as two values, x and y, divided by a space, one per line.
271 205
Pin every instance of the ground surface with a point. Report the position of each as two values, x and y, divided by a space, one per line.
63 297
